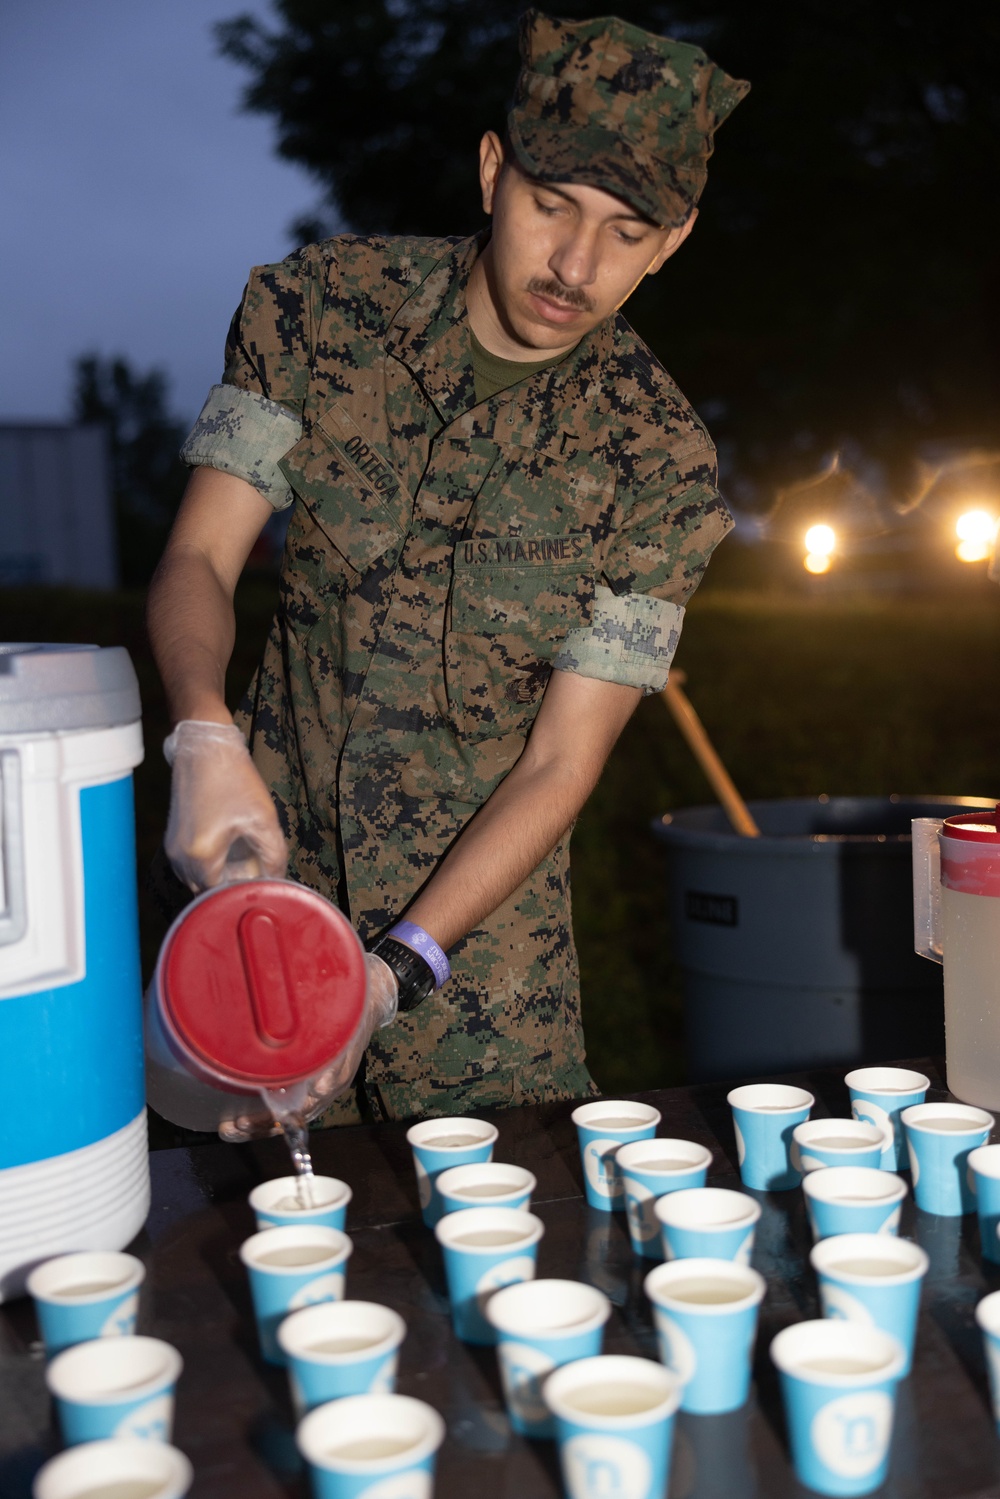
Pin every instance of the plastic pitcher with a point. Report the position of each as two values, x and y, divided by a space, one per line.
956 921
74 1169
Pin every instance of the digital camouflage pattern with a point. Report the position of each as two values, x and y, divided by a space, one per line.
608 105
440 554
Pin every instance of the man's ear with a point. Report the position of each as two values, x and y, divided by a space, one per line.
673 242
490 164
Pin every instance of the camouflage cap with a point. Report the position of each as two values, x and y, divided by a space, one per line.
608 105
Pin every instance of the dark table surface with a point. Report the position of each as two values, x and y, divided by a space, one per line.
234 1418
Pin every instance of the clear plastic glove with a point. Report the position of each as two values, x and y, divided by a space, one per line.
222 824
312 1098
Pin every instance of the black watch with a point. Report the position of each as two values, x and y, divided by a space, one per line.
414 974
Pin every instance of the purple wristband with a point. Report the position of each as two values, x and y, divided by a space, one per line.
422 942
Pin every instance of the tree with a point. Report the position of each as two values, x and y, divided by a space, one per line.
148 474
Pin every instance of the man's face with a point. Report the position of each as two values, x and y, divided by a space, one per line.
561 257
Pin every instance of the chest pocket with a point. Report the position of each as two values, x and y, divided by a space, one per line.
507 621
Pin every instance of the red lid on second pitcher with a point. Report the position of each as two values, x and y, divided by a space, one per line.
261 983
974 827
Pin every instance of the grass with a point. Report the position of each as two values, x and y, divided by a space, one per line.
802 693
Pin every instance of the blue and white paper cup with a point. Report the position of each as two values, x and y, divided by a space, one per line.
838 1142
614 1418
649 1169
541 1325
277 1203
439 1144
484 1249
984 1179
988 1318
115 1387
82 1296
853 1200
290 1268
707 1223
378 1446
487 1184
764 1116
120 1465
838 1385
940 1138
340 1348
874 1280
705 1312
878 1096
601 1127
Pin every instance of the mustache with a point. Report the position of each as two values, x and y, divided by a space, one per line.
564 296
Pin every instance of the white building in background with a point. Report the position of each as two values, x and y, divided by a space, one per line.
57 521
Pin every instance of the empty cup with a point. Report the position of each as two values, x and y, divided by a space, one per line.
82 1296
600 1128
940 1138
707 1222
705 1313
878 1096
115 1387
614 1418
291 1268
375 1445
988 1318
117 1468
764 1116
486 1184
541 1325
484 1249
837 1142
872 1279
853 1200
340 1348
439 1144
984 1178
838 1385
649 1169
320 1201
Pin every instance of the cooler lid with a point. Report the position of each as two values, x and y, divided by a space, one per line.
974 827
47 688
262 982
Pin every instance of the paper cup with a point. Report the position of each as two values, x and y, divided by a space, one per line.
484 1249
614 1419
115 1387
838 1384
707 1222
439 1144
853 1200
984 1179
340 1348
649 1169
705 1313
376 1445
764 1116
837 1142
290 1268
874 1280
601 1127
541 1325
275 1202
116 1466
988 1318
940 1138
487 1184
878 1096
82 1296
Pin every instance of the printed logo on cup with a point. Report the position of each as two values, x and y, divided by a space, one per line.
970 1177
603 1467
891 1224
599 1164
121 1320
417 1484
742 1255
851 1434
505 1274
915 1165
523 1368
424 1192
840 1303
873 1113
741 1144
150 1422
384 1382
682 1358
324 1288
642 1221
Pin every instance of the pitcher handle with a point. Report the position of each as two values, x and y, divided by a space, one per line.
927 887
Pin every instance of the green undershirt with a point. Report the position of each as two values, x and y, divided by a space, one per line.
494 374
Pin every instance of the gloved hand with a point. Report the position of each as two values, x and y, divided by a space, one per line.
381 1006
222 824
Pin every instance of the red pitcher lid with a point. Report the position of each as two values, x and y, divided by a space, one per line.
262 982
974 827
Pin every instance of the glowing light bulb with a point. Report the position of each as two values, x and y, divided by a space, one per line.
820 542
817 562
973 551
976 526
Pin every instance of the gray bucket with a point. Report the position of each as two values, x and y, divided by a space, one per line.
796 948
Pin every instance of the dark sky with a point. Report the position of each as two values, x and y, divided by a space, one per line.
135 194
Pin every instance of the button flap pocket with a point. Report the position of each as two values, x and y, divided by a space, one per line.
542 586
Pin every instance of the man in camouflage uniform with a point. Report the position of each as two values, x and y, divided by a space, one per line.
501 503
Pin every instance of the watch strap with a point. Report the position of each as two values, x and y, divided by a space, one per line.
414 975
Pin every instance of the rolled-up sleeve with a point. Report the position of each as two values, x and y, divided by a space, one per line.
244 434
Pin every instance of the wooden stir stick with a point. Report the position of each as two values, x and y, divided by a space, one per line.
701 746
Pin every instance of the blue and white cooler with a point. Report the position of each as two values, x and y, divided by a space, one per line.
74 1167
